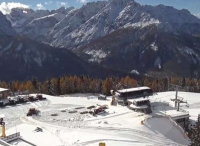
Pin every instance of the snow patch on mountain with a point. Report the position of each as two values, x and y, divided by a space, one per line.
157 63
96 55
19 47
198 15
20 17
39 27
135 72
7 48
26 58
58 16
154 47
195 57
74 20
189 53
38 60
5 26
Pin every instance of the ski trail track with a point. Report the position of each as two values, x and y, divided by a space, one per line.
145 137
13 113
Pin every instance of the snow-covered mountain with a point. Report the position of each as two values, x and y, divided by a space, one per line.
20 17
77 27
21 58
145 50
62 10
198 15
122 34
73 20
40 27
126 13
135 38
5 26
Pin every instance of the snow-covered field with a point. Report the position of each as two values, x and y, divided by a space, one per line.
118 126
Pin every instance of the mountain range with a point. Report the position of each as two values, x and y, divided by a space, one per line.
22 58
118 34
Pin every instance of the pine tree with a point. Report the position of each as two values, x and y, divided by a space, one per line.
166 84
34 83
107 87
183 82
50 87
10 85
157 85
58 86
195 134
100 87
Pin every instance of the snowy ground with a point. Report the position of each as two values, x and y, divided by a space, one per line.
118 126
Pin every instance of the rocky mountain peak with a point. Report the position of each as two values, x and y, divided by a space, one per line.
62 10
122 1
5 26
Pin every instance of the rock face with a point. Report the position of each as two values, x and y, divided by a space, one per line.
120 34
21 17
145 50
73 21
22 58
119 14
5 26
38 28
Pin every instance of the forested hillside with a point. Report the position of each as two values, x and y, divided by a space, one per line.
86 84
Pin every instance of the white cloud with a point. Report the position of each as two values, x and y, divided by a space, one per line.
82 1
40 6
5 8
47 3
61 4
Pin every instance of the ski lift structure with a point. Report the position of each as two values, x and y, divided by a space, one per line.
180 116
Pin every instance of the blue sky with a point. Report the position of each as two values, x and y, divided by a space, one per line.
192 5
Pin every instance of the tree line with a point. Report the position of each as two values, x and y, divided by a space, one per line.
85 84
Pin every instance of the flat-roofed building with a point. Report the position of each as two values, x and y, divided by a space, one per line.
4 93
132 93
140 104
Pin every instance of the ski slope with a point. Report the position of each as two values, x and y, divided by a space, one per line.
118 126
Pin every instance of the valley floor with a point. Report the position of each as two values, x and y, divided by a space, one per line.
118 126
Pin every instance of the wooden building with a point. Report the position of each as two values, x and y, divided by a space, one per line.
4 93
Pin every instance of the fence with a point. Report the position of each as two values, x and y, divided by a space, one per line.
157 102
181 130
3 143
11 137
